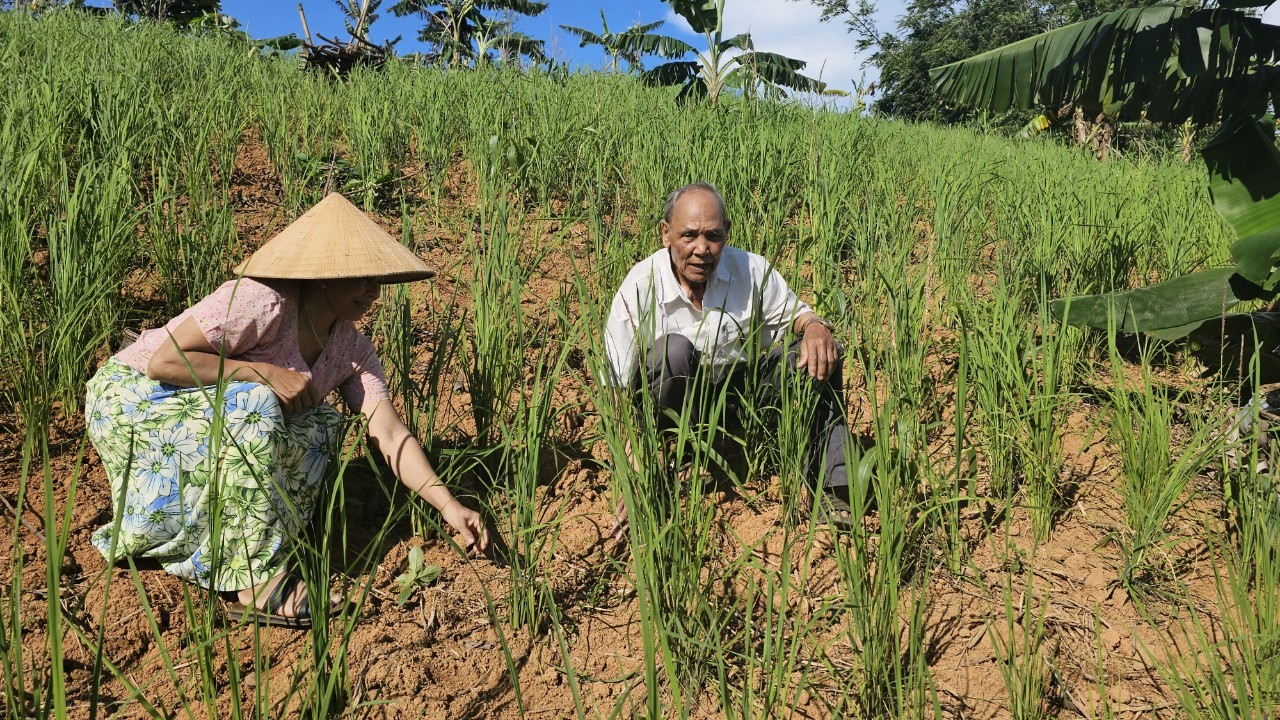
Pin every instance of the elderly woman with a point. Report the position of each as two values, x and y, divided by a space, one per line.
256 359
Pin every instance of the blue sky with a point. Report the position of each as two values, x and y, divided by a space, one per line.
791 28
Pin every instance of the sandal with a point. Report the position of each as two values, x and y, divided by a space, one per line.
269 614
831 509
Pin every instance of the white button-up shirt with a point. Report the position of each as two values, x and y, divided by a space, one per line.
747 307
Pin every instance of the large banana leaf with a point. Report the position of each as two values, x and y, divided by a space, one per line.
523 7
1244 181
681 72
588 37
651 44
780 70
1162 62
515 43
741 42
672 73
1168 310
702 15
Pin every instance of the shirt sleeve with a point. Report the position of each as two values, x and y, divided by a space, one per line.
779 305
620 341
367 382
240 315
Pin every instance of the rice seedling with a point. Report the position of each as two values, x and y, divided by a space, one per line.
882 574
1049 375
192 235
494 360
531 526
1018 643
1156 475
1232 670
994 343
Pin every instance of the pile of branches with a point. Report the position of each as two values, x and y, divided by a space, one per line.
339 58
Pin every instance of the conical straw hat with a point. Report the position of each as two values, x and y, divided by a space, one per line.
335 240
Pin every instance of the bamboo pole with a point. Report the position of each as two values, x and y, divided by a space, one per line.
364 10
305 30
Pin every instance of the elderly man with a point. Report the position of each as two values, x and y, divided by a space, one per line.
701 307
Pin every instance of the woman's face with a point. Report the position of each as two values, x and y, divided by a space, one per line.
351 298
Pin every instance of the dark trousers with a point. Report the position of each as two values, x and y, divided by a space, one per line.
673 364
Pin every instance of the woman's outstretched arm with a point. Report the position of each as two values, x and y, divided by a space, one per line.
404 455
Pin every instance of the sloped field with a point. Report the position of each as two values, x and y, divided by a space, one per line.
1053 525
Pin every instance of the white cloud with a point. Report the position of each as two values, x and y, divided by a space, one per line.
795 29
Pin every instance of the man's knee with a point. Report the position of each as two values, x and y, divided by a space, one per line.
673 356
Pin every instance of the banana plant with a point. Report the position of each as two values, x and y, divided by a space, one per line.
499 36
1165 63
631 44
727 62
455 26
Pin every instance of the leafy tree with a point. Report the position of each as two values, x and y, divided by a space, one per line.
937 32
749 70
1168 63
457 28
631 44
181 12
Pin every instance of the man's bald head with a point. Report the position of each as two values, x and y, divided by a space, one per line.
670 205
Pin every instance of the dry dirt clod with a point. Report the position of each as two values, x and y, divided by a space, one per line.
1111 639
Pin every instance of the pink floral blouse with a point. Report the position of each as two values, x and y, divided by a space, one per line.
257 321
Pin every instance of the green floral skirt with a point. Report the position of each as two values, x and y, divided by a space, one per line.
218 513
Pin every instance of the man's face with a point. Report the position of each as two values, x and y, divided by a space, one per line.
695 237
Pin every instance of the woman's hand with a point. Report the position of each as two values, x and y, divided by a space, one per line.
404 455
295 391
468 523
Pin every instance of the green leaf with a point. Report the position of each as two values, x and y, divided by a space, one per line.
417 576
741 42
587 37
672 73
779 70
1171 308
524 7
406 591
430 574
1160 63
702 15
660 45
1244 182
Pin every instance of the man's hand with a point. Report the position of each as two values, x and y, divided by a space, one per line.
818 350
294 390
